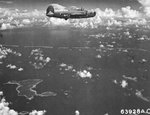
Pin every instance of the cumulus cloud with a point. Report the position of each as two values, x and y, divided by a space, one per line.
106 13
57 21
147 11
146 5
38 60
26 21
16 18
5 26
37 112
5 110
129 13
84 74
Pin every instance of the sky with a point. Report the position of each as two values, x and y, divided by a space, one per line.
114 4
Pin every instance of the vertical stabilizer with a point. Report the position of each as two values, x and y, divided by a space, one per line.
50 10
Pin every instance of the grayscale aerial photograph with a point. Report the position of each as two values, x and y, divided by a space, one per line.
74 57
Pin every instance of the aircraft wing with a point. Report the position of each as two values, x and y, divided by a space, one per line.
78 13
71 12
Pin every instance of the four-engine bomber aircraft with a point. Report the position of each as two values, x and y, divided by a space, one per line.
66 14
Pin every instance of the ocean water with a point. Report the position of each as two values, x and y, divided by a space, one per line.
94 71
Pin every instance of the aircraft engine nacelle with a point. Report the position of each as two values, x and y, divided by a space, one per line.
66 16
92 14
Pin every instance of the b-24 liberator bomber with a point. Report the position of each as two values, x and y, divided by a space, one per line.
69 14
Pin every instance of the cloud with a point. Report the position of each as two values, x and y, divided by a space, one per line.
38 59
6 2
129 13
16 18
37 112
58 22
5 26
26 21
106 13
147 11
84 74
5 110
146 5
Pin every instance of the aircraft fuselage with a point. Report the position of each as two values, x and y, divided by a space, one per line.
70 14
